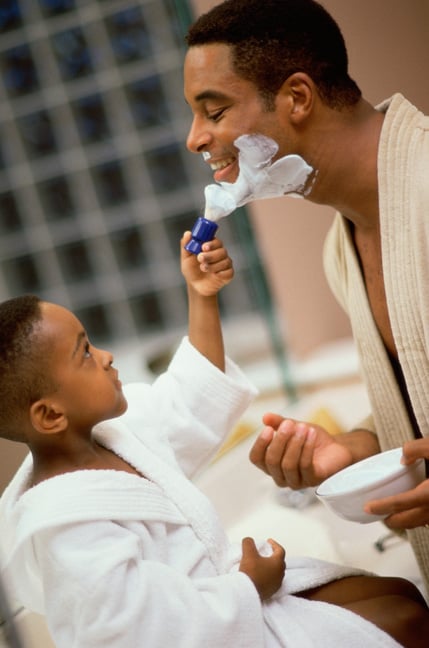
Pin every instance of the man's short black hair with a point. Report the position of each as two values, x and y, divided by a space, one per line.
272 39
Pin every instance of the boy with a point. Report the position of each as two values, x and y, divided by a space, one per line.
101 529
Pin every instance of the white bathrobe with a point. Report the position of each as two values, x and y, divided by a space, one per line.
118 561
403 176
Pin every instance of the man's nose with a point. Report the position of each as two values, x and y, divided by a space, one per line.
198 138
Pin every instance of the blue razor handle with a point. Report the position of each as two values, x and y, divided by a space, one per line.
203 230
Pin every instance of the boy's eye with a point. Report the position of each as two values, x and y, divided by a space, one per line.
86 351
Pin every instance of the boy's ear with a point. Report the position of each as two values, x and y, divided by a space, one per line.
47 417
300 91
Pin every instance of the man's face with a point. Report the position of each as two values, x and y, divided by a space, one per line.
224 106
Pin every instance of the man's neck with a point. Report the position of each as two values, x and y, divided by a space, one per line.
346 160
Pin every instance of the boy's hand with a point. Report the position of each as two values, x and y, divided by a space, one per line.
208 272
266 573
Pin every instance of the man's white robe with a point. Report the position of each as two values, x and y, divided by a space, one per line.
403 176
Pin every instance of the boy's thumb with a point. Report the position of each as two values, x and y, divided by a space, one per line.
249 547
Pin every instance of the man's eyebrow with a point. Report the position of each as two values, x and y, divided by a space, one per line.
80 337
210 94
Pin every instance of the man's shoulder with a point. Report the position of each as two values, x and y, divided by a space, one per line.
397 103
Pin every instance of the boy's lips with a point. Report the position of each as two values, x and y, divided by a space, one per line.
116 380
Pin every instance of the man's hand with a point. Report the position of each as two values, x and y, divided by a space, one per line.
410 509
298 454
266 572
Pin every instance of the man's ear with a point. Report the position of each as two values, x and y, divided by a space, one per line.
47 417
301 92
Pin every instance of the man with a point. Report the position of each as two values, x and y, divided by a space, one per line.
279 68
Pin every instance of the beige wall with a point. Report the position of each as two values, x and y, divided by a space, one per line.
387 41
11 455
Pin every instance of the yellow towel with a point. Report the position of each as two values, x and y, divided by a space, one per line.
244 429
325 419
240 432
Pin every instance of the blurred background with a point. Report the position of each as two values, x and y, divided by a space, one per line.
96 186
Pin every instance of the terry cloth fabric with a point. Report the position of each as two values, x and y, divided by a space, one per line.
403 173
115 560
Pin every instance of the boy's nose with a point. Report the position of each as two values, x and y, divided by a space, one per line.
107 359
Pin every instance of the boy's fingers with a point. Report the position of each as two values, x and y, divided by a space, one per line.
248 547
214 256
215 243
186 237
278 549
276 545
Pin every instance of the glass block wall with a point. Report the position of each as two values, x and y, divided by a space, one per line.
96 185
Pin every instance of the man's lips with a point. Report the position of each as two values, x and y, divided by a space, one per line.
223 168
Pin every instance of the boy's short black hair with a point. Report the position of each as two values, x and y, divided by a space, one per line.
23 367
272 39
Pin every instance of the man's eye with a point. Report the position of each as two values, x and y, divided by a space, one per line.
215 116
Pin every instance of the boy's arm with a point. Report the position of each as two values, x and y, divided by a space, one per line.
205 275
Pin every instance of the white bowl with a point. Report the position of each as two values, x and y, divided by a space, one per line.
381 475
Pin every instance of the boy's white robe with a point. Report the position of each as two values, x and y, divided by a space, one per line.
118 561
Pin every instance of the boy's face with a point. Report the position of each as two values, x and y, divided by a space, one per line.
87 386
224 107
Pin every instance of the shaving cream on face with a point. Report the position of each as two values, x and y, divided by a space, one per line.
258 178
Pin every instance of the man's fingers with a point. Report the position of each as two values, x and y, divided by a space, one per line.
259 448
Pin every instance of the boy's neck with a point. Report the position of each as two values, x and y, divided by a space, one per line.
60 458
